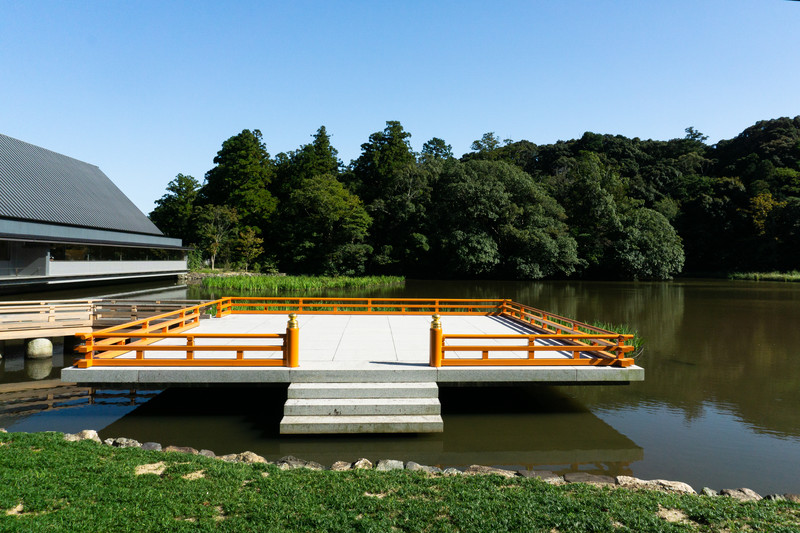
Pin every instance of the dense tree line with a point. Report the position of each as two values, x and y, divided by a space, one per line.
602 206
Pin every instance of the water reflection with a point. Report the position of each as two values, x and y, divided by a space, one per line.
531 428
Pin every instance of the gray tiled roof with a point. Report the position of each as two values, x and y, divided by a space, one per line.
40 185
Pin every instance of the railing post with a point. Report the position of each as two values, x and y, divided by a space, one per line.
436 341
292 343
88 359
219 309
189 344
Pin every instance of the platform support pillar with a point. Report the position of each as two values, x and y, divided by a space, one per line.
292 346
436 341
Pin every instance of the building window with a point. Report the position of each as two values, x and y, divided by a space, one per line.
75 252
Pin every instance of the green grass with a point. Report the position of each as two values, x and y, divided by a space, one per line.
278 284
793 276
624 329
86 486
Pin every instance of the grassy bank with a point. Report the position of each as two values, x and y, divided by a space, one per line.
277 284
793 276
52 485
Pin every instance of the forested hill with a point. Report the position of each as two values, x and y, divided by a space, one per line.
602 206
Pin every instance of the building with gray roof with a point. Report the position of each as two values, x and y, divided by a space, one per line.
64 221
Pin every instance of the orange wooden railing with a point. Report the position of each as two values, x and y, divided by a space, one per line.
104 347
589 345
357 306
577 343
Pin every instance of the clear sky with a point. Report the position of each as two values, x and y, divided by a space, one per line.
149 89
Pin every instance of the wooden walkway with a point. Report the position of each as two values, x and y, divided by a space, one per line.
65 318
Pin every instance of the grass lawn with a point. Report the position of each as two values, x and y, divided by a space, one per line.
47 484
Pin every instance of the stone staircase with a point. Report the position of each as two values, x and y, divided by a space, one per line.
316 408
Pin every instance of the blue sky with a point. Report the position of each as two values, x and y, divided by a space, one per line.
148 89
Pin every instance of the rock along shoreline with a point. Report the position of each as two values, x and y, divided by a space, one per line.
290 462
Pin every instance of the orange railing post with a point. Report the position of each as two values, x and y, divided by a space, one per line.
292 342
436 341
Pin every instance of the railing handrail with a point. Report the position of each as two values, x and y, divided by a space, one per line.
605 347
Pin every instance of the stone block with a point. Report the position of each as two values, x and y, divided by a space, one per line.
583 477
743 494
389 464
481 469
39 348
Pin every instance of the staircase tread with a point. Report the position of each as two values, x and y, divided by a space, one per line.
369 419
362 401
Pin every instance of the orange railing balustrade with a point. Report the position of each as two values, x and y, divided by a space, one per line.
557 340
572 342
104 347
357 306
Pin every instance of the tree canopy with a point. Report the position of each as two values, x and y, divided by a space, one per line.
598 206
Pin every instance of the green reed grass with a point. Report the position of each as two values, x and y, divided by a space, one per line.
278 284
793 276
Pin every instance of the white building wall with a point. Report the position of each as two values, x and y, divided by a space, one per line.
95 268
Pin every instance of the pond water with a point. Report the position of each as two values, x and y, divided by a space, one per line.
719 407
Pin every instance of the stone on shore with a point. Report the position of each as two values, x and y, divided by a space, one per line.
181 449
385 465
709 492
664 485
543 475
452 472
674 486
743 495
152 446
416 467
592 479
362 464
207 453
244 457
481 469
86 434
341 466
122 442
291 462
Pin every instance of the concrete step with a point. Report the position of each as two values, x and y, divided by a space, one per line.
362 406
363 390
361 424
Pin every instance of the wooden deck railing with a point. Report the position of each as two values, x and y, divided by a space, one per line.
17 319
557 340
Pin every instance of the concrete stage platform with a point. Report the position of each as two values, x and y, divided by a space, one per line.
355 349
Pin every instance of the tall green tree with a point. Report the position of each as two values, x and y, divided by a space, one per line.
248 246
241 179
325 229
588 191
648 247
174 212
492 219
436 148
385 176
218 224
314 159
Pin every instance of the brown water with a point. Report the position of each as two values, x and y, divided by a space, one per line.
719 407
